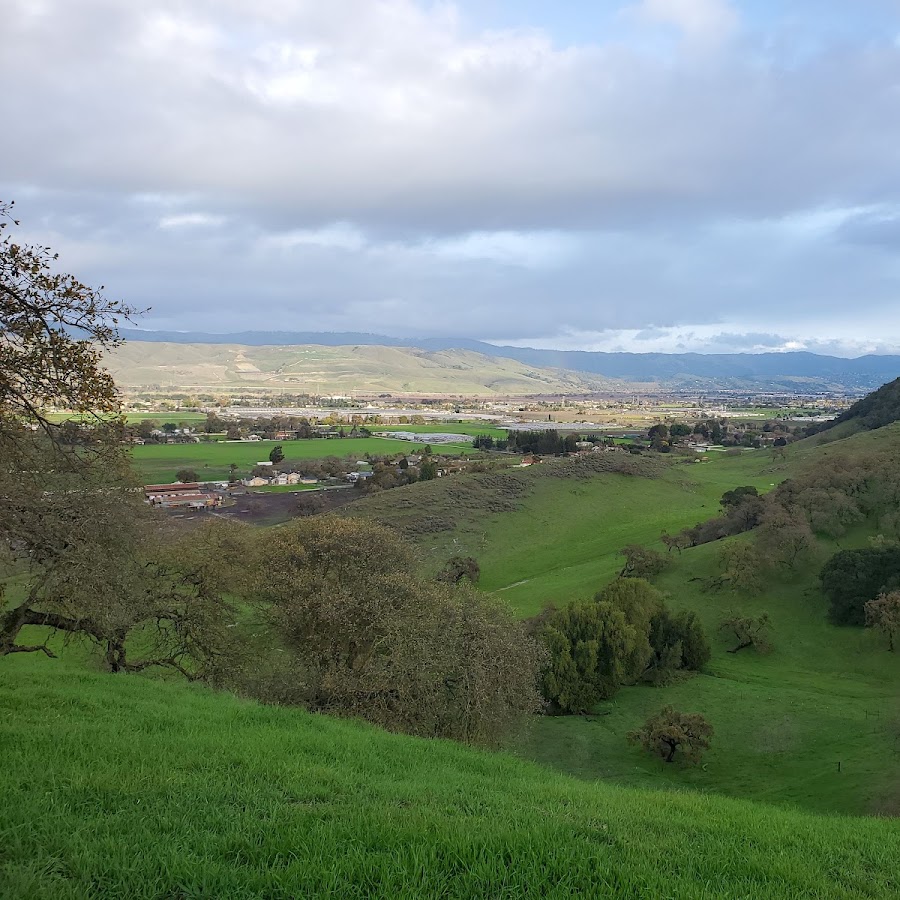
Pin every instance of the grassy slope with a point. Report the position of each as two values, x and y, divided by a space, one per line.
127 787
783 722
562 541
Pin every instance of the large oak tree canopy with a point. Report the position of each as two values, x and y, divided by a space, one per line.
53 331
72 528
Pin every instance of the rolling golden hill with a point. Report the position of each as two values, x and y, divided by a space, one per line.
320 369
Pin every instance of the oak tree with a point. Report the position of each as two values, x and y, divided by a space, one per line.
669 731
748 631
883 613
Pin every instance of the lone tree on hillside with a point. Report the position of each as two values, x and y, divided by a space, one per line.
883 613
669 731
276 454
459 567
45 478
741 569
186 476
784 537
642 562
748 631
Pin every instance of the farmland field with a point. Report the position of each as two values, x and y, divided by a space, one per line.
471 428
158 463
191 418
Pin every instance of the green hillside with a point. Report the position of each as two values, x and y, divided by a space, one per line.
126 787
133 786
784 722
552 532
319 369
875 410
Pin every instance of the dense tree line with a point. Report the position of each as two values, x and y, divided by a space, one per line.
546 442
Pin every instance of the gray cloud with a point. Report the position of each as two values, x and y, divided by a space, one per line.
380 167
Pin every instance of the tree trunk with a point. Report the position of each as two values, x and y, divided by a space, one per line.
672 748
11 623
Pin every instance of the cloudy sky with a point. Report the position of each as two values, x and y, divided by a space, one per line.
708 175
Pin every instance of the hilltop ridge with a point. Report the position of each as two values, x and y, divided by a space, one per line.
875 410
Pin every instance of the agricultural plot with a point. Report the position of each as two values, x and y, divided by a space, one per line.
158 463
471 428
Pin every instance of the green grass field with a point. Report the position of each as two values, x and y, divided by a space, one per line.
128 787
192 418
562 540
823 696
158 463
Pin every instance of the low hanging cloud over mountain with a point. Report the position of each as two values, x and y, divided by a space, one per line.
707 172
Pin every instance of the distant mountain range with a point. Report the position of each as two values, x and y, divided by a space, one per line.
794 371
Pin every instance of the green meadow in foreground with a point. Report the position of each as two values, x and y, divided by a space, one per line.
129 787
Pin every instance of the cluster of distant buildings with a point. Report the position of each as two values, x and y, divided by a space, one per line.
187 495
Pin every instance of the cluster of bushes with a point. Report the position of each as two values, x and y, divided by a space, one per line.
742 510
860 584
364 636
853 578
626 634
827 501
326 612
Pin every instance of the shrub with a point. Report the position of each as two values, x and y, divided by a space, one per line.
458 568
678 642
591 647
373 640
